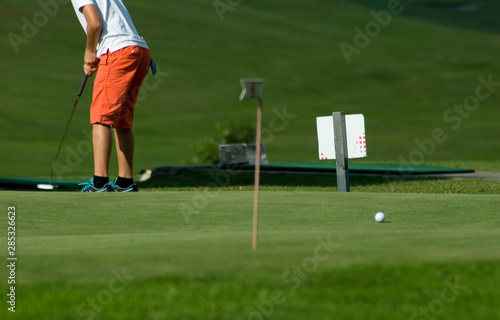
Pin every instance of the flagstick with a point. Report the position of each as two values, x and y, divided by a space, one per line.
257 176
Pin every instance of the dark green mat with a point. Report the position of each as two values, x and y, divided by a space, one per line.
376 168
389 168
31 183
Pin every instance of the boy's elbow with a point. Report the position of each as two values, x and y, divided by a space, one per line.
94 22
95 26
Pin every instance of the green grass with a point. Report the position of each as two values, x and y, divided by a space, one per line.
354 293
165 253
237 181
187 255
477 15
403 82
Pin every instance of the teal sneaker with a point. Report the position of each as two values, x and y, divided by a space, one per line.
116 188
89 187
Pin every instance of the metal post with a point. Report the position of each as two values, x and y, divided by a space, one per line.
340 136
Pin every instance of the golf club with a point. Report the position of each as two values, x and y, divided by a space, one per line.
50 186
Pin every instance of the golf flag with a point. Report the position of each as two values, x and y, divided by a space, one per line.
252 89
356 138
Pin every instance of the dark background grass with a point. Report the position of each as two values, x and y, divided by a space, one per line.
411 74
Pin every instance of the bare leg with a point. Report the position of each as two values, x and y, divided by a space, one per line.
102 142
124 139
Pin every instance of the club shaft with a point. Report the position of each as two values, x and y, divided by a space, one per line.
80 91
82 85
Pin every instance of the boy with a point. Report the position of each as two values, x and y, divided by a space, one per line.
121 59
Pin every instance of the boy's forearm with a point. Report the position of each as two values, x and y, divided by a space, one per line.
94 30
90 59
93 37
94 27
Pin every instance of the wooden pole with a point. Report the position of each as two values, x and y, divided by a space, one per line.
341 155
257 176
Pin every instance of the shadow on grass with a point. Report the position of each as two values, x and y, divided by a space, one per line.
186 180
227 179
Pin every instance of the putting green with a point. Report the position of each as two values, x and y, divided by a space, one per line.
187 255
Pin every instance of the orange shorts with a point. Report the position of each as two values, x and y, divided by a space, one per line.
116 86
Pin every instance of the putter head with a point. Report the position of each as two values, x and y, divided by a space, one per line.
46 186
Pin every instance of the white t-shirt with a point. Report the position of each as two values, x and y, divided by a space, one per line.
118 29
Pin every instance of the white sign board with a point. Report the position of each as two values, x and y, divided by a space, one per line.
356 138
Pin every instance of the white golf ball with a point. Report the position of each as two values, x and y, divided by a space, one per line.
379 216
